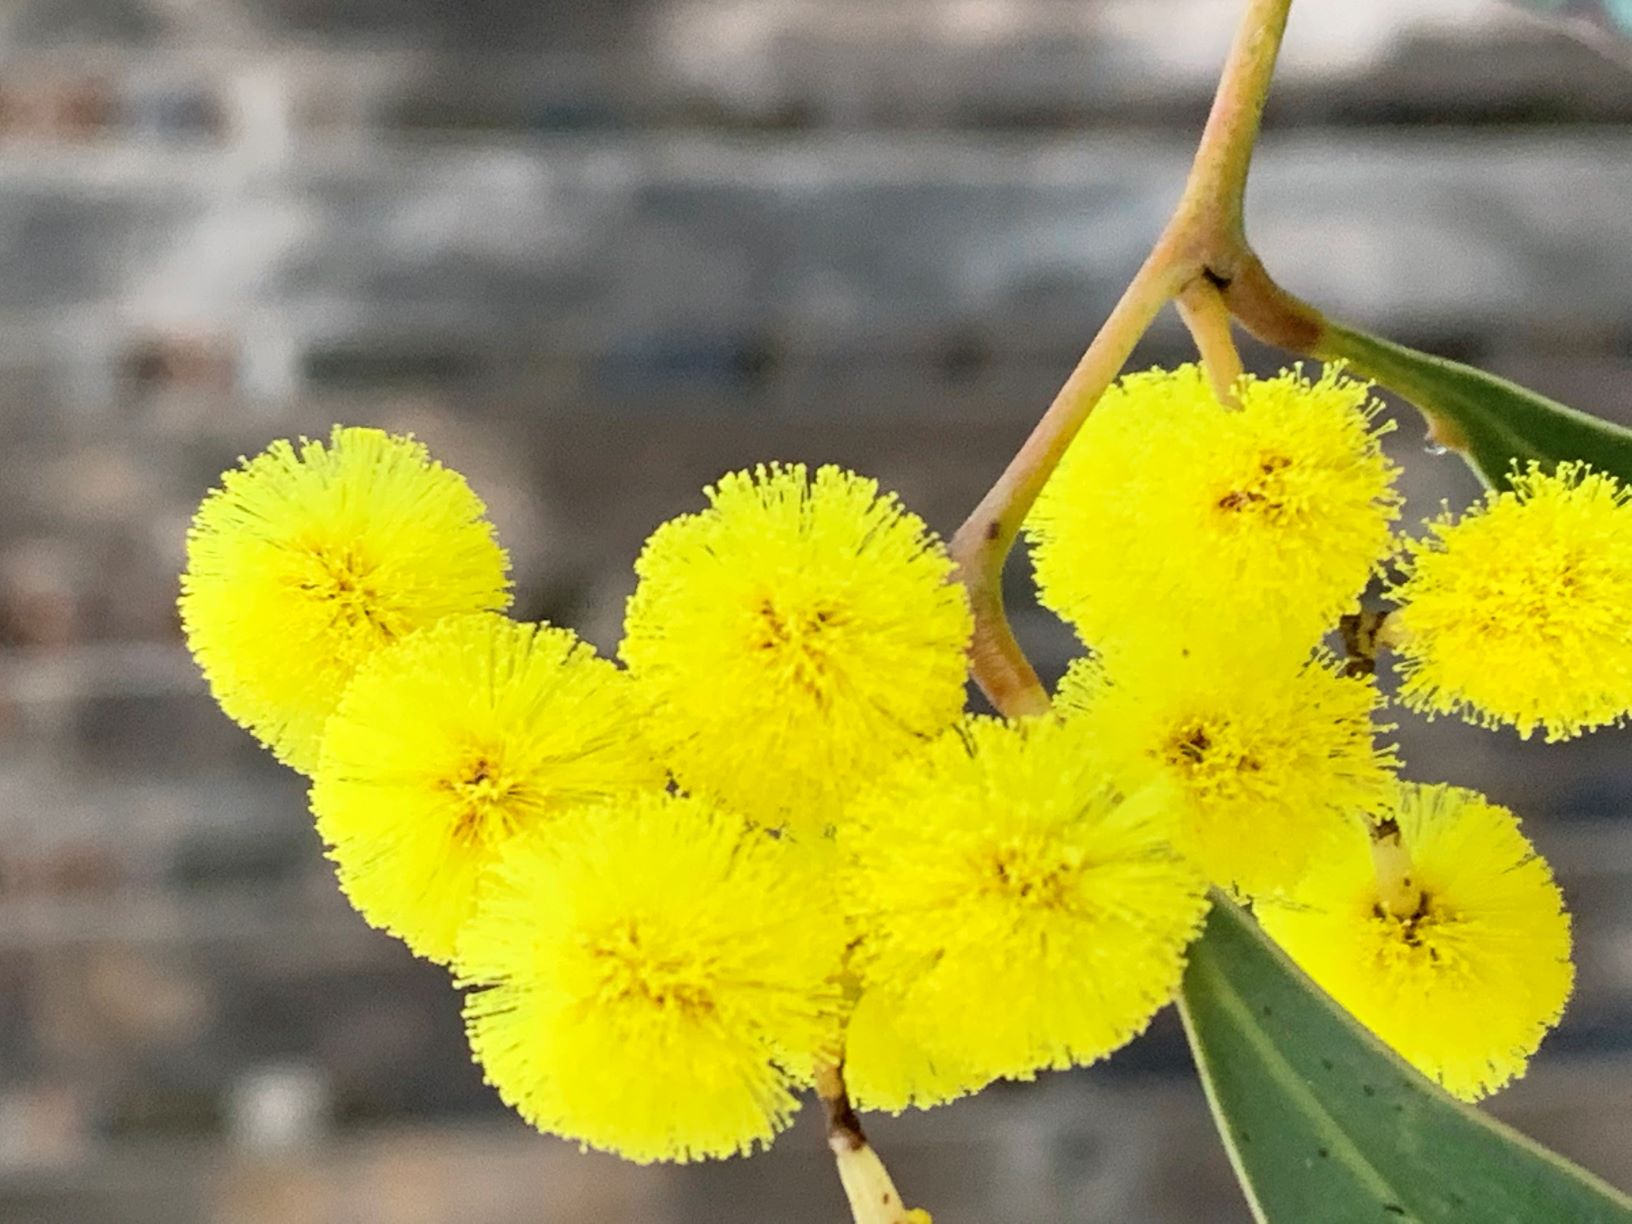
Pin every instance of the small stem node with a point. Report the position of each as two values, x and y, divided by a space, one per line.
843 1126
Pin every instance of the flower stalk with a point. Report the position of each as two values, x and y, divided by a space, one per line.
1207 319
1398 892
872 1195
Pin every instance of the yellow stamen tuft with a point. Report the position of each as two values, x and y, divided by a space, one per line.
644 984
1517 612
310 558
998 866
452 742
1261 760
1175 518
1464 971
796 636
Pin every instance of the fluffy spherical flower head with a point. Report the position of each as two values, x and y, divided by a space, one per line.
655 980
1466 984
1172 515
1018 914
1517 612
450 743
1261 760
797 635
310 557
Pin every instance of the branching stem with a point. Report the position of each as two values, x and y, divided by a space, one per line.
1205 241
1202 259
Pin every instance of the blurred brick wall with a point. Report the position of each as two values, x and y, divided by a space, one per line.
595 253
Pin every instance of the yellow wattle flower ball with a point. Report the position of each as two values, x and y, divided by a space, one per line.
1172 515
1467 982
1517 612
311 557
450 743
654 979
1016 914
1259 759
795 636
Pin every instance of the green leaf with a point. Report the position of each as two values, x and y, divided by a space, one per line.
1491 421
1325 1123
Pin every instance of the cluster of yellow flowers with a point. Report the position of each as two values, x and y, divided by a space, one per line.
773 840
1203 551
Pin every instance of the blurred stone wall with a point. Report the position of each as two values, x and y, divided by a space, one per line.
595 252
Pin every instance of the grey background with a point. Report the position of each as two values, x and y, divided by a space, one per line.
596 253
